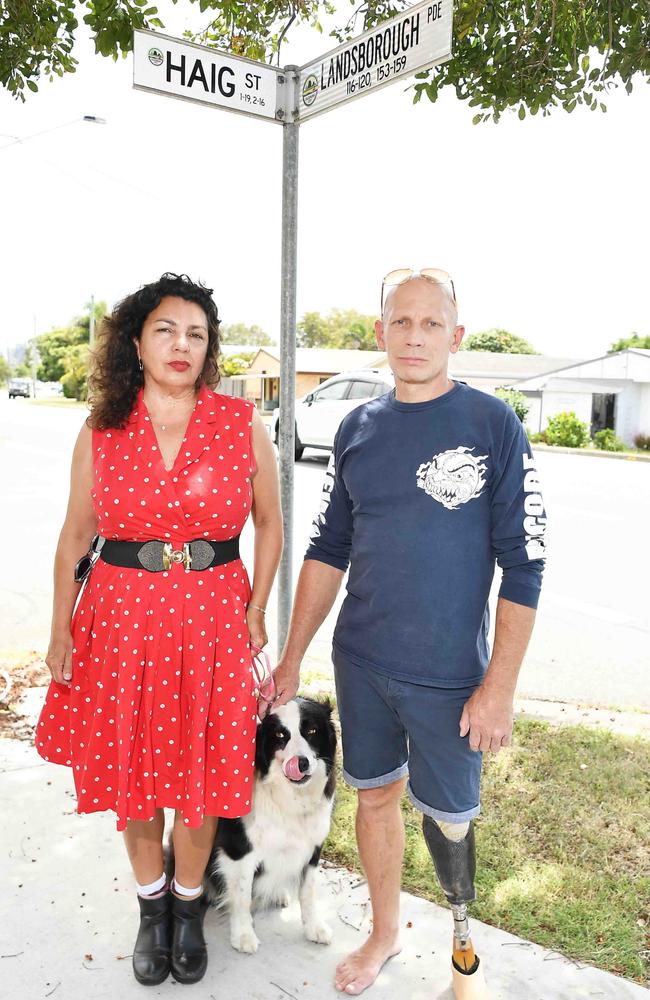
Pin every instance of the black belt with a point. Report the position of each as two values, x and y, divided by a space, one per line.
157 556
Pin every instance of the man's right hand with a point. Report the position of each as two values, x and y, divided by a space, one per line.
59 658
318 585
287 678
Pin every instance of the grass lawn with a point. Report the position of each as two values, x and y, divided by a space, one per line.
563 845
58 401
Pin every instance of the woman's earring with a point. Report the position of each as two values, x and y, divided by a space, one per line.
140 365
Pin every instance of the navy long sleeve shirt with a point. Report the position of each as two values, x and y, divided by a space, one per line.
420 500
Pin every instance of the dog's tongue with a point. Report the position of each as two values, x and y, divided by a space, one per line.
291 768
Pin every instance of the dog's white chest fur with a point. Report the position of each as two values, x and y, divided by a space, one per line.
284 828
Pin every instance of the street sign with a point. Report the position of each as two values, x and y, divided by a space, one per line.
414 40
199 73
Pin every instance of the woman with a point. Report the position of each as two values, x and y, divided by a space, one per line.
152 701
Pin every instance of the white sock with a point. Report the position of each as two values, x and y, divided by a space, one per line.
181 890
153 887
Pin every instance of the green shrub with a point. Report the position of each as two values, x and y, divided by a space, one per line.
538 438
606 440
642 441
516 400
75 360
567 431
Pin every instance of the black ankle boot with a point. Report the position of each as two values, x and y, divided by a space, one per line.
189 953
153 946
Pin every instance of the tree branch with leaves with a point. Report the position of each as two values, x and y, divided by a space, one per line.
528 55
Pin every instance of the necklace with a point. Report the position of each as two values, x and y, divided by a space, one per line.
163 426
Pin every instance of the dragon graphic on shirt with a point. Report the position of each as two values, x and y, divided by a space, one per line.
453 477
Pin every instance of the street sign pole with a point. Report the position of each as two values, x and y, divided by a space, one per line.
290 134
415 39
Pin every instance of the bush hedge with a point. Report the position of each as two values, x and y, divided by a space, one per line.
567 431
606 440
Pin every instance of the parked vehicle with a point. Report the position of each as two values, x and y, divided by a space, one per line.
19 387
48 390
319 413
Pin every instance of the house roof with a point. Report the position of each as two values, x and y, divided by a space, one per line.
604 369
321 359
508 366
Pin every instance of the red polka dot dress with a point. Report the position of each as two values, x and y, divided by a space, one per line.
161 711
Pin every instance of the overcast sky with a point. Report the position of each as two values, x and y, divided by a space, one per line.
543 223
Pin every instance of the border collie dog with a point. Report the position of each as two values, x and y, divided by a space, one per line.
271 854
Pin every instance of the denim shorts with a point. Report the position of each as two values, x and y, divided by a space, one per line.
391 729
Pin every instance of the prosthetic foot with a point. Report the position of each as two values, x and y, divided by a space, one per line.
451 846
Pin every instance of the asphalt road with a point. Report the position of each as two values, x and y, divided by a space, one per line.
592 637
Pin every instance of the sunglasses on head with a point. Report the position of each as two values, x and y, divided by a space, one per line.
402 274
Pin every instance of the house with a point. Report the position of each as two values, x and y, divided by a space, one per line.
261 383
610 391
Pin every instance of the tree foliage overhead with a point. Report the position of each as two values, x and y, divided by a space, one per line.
541 54
341 328
498 341
525 54
634 340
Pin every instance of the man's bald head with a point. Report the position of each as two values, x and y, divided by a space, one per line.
443 293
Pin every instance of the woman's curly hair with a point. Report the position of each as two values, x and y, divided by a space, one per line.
116 376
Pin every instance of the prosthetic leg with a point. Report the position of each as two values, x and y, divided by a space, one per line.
451 846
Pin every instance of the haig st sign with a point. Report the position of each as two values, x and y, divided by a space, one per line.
198 73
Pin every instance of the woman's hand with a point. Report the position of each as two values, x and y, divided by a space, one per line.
257 627
59 658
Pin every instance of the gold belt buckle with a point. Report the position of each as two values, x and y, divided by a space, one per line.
171 556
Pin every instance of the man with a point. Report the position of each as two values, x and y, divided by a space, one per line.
427 487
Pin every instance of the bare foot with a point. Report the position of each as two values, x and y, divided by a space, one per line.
360 968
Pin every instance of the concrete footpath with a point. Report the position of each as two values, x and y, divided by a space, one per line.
68 919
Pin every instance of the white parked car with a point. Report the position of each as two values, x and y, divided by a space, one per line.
46 390
319 413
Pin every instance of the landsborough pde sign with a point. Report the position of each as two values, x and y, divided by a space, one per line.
415 39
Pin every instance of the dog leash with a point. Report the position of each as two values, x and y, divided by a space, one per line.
265 689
